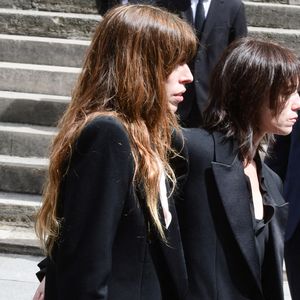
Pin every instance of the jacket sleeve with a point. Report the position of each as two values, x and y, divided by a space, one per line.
239 25
93 194
43 268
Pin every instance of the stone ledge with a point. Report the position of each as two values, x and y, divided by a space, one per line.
272 15
286 37
19 240
37 109
49 24
22 175
73 6
39 50
51 80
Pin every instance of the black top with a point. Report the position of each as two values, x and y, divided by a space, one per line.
260 226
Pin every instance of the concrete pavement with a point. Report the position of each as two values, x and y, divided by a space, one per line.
17 276
18 281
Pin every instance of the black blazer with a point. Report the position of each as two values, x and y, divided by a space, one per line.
217 226
106 250
224 23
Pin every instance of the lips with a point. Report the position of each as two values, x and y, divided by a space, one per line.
179 96
294 119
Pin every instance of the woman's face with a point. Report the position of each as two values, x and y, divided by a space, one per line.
175 85
284 122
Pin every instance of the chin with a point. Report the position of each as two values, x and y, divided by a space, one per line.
284 132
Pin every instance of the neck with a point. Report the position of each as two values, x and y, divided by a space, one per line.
257 140
255 145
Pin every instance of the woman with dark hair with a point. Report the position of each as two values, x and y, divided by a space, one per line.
232 214
107 221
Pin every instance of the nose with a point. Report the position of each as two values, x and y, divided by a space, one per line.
296 102
186 75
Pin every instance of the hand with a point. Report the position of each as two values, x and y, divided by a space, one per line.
40 291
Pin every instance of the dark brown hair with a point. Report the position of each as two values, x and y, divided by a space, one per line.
249 73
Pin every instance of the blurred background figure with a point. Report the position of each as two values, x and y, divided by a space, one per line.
285 161
217 23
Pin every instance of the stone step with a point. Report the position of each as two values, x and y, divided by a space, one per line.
30 78
291 2
36 109
19 209
272 15
19 240
81 26
22 175
17 218
83 6
25 140
73 6
271 1
287 37
40 50
49 24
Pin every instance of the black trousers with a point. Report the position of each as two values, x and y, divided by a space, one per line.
292 262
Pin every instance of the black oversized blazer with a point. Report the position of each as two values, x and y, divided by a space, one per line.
217 226
106 250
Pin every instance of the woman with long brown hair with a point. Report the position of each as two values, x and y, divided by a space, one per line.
107 221
232 216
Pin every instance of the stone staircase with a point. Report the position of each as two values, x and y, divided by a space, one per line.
42 45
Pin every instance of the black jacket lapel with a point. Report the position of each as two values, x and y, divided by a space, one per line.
274 253
232 187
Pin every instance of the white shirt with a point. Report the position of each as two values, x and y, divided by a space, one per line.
206 5
164 199
163 195
124 1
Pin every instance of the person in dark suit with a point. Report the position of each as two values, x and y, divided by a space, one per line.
104 5
285 161
230 207
218 23
107 221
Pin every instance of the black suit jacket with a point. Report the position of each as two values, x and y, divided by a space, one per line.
217 226
224 23
105 249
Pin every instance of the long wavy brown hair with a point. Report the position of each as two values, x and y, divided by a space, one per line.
134 49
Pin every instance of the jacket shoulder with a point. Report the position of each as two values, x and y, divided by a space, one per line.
199 140
234 3
103 129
